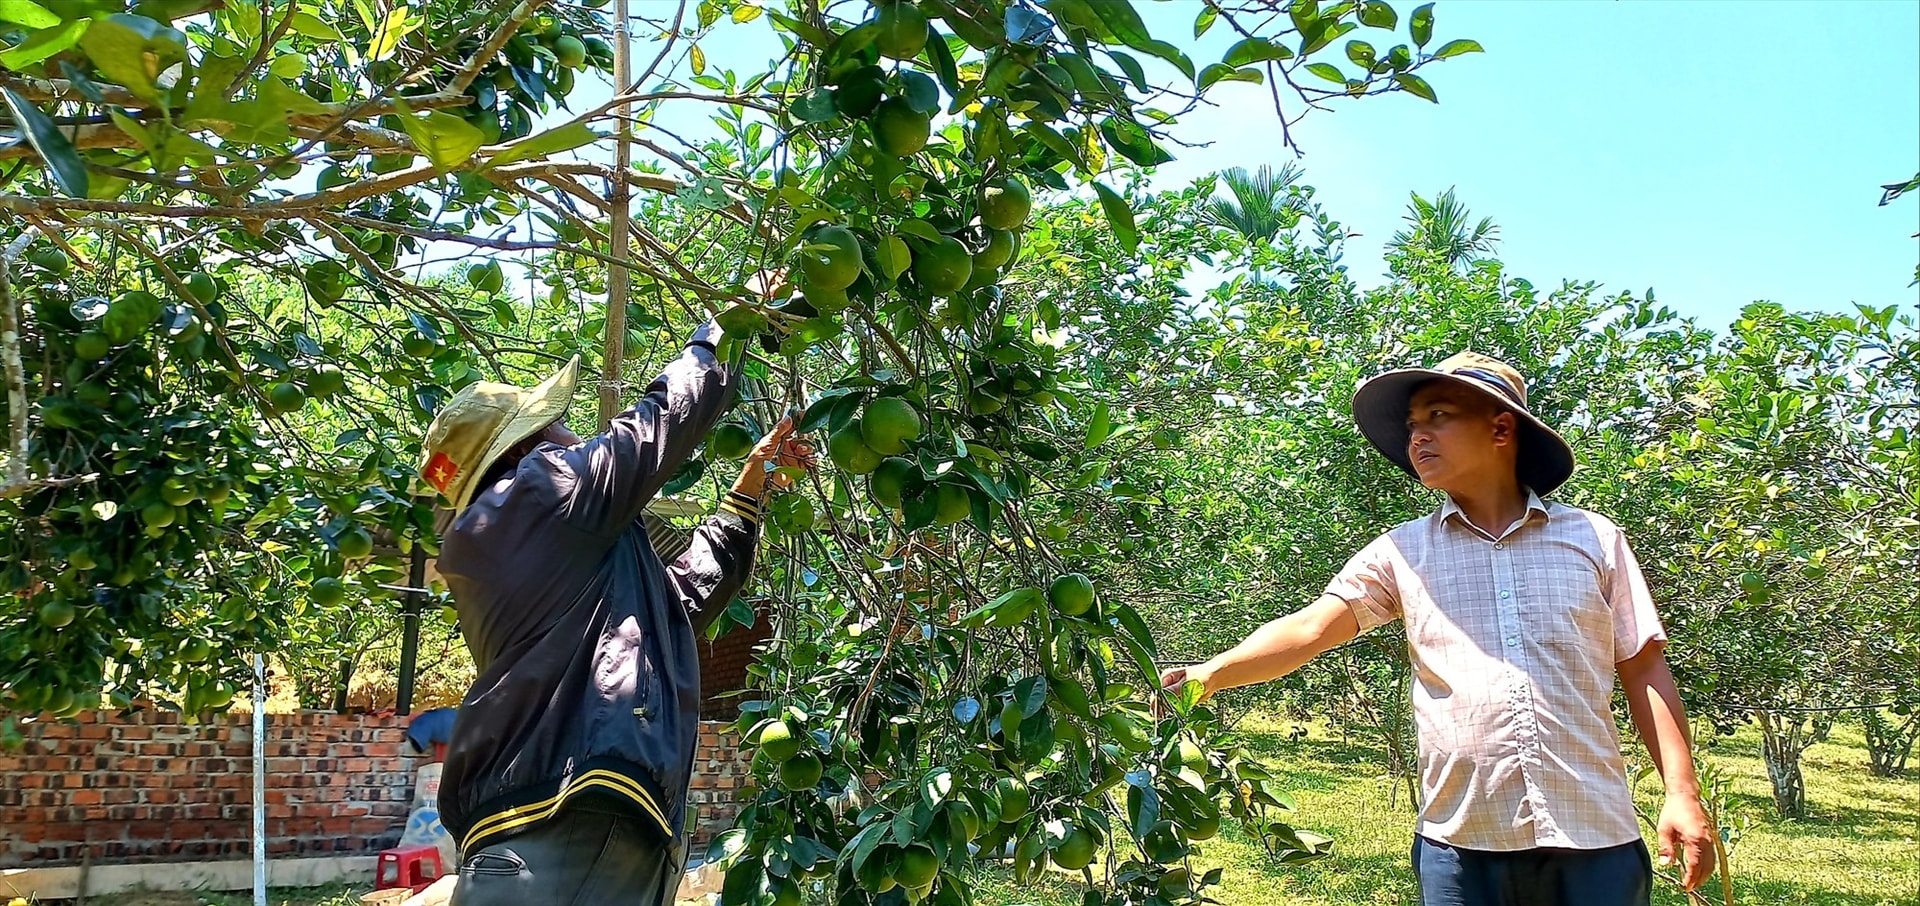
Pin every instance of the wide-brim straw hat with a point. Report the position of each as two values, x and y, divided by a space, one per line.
1544 461
482 422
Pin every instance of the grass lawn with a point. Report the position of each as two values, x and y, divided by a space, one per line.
1861 847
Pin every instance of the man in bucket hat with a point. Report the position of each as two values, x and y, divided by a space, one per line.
567 774
1520 613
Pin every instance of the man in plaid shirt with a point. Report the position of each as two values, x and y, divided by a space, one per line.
1520 614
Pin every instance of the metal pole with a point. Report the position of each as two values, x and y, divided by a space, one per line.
620 196
410 627
259 780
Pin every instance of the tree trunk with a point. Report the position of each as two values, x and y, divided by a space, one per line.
1783 739
1889 742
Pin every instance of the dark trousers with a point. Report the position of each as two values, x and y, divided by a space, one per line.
580 857
1615 876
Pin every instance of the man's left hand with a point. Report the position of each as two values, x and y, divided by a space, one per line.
1685 830
785 451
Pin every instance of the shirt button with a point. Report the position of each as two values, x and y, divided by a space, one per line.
1499 545
1505 594
1513 641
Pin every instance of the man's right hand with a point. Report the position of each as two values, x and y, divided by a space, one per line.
1173 679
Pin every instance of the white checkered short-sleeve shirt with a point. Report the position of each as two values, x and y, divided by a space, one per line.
1513 637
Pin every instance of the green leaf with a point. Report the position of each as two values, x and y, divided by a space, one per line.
1421 25
52 146
43 44
742 320
27 13
133 51
1216 73
943 65
921 92
387 38
1120 216
1304 13
894 257
1415 85
1378 14
545 144
447 140
815 106
805 31
1133 143
1362 54
1132 68
1031 693
708 13
936 786
1205 20
314 27
1255 50
1329 72
1100 427
920 229
746 13
1458 47
820 410
1058 143
1120 17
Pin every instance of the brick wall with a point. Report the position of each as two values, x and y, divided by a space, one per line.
147 786
723 668
719 771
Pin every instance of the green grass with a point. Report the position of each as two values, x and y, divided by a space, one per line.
1859 847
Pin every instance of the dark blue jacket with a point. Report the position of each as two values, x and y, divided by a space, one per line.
584 641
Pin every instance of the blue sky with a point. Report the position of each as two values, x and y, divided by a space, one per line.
1717 152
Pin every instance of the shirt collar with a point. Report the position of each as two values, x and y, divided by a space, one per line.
1450 509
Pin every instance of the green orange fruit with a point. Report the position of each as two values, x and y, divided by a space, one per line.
898 129
328 591
944 267
1071 594
848 449
286 397
902 34
831 258
889 480
1075 850
778 741
354 543
951 504
997 250
1014 799
889 424
731 440
801 772
1005 203
570 51
918 867
56 614
92 346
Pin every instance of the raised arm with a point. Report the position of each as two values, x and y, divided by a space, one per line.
720 559
619 470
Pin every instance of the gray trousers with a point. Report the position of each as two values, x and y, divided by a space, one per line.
580 857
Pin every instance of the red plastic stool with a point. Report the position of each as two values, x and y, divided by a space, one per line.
408 866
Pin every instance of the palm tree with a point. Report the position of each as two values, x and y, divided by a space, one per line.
1261 206
1441 226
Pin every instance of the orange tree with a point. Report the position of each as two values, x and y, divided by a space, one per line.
223 328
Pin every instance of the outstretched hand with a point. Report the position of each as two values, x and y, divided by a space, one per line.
785 451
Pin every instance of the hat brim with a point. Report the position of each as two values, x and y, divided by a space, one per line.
1545 460
538 407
